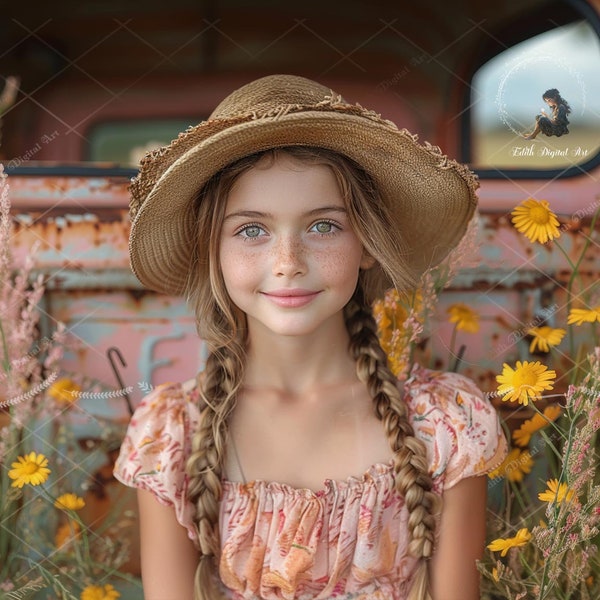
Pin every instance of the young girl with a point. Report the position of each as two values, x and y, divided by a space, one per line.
296 466
557 124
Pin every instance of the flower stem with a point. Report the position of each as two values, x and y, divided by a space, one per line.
82 534
453 341
5 361
574 274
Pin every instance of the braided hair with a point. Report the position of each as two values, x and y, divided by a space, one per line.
411 474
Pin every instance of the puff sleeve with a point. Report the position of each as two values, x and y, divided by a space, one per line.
156 447
459 426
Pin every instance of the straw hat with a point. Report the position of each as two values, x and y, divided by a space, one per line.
431 197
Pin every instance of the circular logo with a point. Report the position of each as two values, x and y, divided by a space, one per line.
543 72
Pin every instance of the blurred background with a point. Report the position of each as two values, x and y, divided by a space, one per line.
110 79
98 84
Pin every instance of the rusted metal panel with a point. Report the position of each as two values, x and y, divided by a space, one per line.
156 335
81 227
79 193
75 242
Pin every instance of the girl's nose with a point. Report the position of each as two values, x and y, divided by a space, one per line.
289 257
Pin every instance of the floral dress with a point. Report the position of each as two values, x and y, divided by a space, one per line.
346 540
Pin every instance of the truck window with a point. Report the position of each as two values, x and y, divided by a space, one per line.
507 105
125 142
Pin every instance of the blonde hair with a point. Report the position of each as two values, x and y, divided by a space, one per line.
223 328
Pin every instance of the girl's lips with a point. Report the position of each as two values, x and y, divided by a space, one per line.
293 298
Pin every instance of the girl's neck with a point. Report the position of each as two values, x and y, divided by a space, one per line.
298 365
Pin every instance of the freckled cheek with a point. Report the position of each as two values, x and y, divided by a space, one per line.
239 268
338 265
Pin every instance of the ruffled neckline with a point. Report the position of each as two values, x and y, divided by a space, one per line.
373 474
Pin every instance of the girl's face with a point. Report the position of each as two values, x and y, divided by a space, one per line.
289 257
550 102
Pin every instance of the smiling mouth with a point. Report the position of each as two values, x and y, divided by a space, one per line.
291 298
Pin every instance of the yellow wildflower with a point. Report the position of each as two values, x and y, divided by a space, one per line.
389 314
515 466
69 502
66 534
522 436
30 469
503 545
552 412
556 493
525 382
544 338
535 220
64 391
99 592
398 326
578 316
464 316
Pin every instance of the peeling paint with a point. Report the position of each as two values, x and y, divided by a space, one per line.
82 227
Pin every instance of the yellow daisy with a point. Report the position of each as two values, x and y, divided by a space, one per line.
522 436
556 493
64 391
535 220
30 469
578 316
66 534
515 466
464 316
69 502
524 382
100 592
503 545
544 338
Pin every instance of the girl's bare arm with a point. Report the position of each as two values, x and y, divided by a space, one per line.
169 559
454 575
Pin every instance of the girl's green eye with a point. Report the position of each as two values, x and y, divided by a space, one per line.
324 227
252 231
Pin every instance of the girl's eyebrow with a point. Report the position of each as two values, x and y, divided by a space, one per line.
255 214
247 214
326 209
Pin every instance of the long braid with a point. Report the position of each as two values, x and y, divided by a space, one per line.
412 478
221 379
222 327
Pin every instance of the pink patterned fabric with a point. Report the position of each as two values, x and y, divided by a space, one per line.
347 540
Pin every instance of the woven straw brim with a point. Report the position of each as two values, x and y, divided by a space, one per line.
431 197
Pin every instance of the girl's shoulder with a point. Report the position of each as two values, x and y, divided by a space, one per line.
168 411
166 401
167 415
157 444
457 422
444 389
